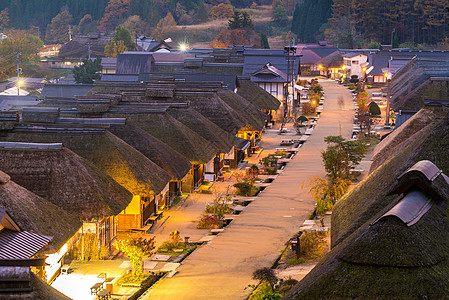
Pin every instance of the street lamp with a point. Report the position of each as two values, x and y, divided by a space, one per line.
364 74
387 112
19 84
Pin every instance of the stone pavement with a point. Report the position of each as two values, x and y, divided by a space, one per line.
222 269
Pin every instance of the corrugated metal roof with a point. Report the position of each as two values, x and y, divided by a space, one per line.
23 244
120 77
410 209
65 90
241 144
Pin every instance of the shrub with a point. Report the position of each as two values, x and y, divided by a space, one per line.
210 222
312 244
266 274
244 188
296 261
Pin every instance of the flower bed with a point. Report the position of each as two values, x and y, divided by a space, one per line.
210 222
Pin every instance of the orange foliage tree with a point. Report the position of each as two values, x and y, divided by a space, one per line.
221 11
114 14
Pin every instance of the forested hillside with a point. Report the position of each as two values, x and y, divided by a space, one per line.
346 23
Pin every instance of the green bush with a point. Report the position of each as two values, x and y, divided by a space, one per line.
244 188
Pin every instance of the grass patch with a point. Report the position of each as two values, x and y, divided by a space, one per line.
174 252
296 261
145 285
178 199
132 279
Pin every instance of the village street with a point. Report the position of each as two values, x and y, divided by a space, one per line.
224 266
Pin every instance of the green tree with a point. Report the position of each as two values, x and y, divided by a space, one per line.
136 249
264 41
122 34
59 27
374 109
341 155
21 41
240 21
279 15
88 71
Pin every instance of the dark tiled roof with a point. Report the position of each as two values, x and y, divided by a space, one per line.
21 244
256 59
134 63
65 90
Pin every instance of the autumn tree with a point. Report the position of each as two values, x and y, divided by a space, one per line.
21 41
166 24
58 29
114 14
4 19
88 71
222 11
86 25
113 48
136 26
136 249
325 192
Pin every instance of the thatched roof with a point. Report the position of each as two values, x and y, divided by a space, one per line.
370 196
39 291
175 134
35 214
110 154
400 138
205 128
386 260
65 179
254 117
210 105
157 151
79 46
257 96
333 60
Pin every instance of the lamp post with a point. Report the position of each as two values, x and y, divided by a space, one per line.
387 112
19 71
364 74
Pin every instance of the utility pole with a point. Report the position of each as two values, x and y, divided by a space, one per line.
19 71
88 50
289 52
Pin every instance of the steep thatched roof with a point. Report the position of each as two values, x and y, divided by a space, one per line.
205 128
157 151
213 107
254 117
39 291
110 154
65 179
257 96
386 258
35 214
175 134
333 60
369 196
400 137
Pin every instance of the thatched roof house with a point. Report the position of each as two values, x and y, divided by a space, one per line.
35 214
400 137
398 253
333 60
79 45
255 118
257 96
63 178
175 134
370 196
221 139
111 155
157 151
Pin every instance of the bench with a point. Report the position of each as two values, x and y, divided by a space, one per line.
96 288
104 295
